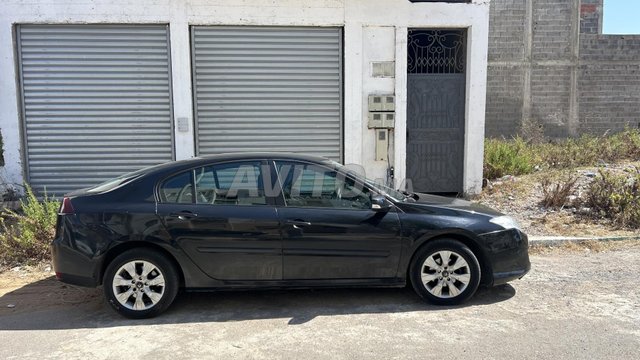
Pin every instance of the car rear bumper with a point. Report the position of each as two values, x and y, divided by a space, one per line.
73 263
508 253
72 267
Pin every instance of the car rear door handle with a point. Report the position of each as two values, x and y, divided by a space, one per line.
297 223
184 215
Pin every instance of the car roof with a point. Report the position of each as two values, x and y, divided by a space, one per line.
263 155
208 159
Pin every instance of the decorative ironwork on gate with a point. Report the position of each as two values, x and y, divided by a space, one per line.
436 51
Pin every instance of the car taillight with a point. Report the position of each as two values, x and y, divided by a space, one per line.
66 207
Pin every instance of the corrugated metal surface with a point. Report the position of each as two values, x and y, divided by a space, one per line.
96 102
268 89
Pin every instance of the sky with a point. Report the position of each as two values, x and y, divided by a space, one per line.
621 17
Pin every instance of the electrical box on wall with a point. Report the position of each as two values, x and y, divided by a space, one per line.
382 120
381 111
382 144
382 103
382 117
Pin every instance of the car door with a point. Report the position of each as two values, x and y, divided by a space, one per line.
223 220
329 230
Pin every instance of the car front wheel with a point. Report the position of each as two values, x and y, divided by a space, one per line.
140 283
445 272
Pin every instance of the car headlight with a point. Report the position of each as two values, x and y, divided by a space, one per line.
507 222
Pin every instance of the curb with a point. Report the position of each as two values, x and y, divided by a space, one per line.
558 240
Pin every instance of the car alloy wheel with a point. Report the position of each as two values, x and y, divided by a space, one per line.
140 283
445 272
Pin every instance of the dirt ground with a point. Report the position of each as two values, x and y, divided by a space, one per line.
577 302
39 289
520 197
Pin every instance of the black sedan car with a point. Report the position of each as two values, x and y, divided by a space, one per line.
274 220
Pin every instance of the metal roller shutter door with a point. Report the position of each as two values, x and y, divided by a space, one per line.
268 89
96 102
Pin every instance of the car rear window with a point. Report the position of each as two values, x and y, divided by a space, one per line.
120 180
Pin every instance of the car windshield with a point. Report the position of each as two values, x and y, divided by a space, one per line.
383 189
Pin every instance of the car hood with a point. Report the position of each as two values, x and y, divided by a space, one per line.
426 200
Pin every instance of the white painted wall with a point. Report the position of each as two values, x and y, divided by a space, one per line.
378 44
364 21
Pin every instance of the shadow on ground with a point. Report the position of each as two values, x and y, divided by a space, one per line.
48 304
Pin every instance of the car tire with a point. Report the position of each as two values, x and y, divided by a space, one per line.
450 283
147 292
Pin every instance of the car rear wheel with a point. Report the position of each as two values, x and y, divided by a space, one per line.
445 272
140 283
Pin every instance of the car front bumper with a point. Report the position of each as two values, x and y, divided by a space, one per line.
508 255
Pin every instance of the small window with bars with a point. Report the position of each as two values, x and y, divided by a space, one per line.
436 51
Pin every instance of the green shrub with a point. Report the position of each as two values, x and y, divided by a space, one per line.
570 152
507 157
616 197
517 156
589 150
25 235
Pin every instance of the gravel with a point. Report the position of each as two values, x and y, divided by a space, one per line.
575 303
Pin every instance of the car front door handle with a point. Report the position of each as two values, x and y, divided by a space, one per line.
184 215
298 223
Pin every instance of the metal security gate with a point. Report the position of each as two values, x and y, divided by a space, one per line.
96 102
268 89
436 110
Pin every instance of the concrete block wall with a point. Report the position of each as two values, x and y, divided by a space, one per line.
591 17
506 30
505 73
550 94
549 62
552 29
609 82
505 87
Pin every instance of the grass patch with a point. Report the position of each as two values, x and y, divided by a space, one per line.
25 235
502 158
520 156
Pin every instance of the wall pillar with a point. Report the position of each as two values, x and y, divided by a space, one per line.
10 123
400 131
476 96
352 93
181 81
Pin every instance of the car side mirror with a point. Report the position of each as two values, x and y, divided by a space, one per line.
380 203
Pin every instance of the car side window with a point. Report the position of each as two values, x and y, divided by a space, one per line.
237 183
308 185
178 189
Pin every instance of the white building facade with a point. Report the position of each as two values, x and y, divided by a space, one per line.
91 89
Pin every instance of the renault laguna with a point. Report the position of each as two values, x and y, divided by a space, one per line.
275 220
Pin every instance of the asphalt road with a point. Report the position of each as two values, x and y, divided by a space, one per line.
575 305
